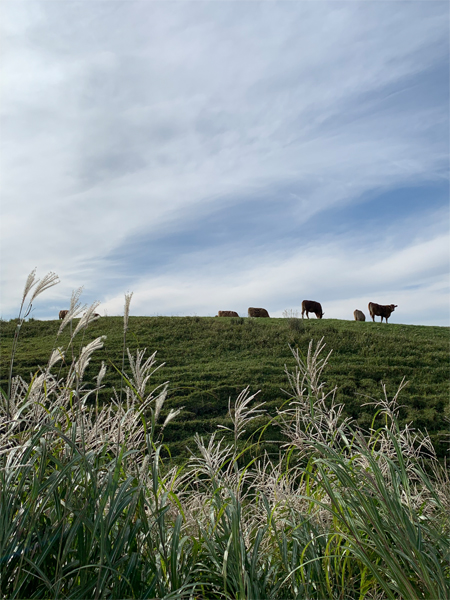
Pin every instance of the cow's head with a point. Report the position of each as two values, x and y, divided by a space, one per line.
393 307
320 315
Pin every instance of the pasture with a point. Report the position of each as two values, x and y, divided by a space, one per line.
100 500
208 360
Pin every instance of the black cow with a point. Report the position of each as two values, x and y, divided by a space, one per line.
63 313
309 306
380 310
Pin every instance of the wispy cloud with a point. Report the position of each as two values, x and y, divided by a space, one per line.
142 139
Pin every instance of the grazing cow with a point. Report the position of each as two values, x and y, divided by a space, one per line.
380 310
359 315
62 314
257 312
309 306
227 313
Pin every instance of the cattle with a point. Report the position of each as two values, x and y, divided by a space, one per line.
257 312
359 315
62 314
227 313
309 306
380 310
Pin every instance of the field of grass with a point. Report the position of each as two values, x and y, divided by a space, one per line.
354 506
208 360
90 508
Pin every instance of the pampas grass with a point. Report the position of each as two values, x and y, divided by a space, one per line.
88 509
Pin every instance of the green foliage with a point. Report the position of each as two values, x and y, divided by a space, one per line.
209 360
88 508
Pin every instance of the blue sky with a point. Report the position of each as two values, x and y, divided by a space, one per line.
214 155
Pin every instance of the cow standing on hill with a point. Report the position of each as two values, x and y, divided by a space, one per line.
227 313
257 312
309 306
359 315
381 310
62 314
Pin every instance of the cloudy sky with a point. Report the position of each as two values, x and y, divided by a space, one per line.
216 155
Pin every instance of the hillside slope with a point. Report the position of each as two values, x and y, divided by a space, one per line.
207 360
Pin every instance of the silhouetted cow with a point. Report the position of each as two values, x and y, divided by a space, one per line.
359 315
380 310
62 314
227 313
257 312
309 306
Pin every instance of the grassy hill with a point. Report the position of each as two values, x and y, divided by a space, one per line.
207 360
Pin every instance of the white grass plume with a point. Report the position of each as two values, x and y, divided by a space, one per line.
88 317
101 374
76 308
126 311
47 282
78 369
142 369
312 415
242 414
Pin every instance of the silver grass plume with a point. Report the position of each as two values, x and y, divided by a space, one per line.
57 355
126 312
142 370
75 309
416 446
30 282
172 414
308 372
101 374
212 457
87 318
242 414
160 401
47 282
313 415
81 364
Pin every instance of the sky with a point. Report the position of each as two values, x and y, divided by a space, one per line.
215 155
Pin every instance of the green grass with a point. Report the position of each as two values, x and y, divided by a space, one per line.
207 360
89 510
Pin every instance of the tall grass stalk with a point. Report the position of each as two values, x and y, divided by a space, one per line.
126 316
39 286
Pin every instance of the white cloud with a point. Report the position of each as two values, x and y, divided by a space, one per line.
122 117
339 278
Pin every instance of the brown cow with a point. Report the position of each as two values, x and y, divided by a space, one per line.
257 312
227 313
359 315
309 306
62 314
381 310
